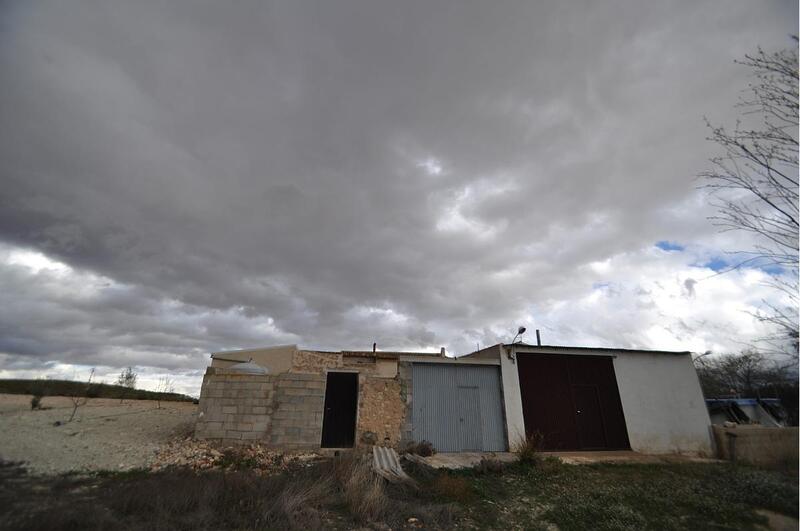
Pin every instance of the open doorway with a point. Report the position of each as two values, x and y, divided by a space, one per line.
341 403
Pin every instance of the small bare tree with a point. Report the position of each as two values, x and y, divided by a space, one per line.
79 399
165 385
755 185
127 378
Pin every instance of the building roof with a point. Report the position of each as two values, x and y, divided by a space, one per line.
594 349
380 354
385 354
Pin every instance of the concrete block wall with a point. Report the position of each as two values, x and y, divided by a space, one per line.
235 407
283 410
758 445
299 402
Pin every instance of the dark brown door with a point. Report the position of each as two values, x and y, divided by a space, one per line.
341 402
591 432
572 402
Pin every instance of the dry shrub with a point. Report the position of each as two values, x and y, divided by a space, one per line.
527 450
309 498
36 402
489 465
184 499
298 505
422 448
362 490
457 488
185 430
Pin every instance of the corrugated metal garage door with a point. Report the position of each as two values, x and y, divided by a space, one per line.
458 408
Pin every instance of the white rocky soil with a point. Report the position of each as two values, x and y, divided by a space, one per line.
104 435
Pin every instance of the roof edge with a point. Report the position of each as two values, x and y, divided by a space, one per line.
595 349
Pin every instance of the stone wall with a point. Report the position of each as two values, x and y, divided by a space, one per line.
315 362
380 410
406 396
286 410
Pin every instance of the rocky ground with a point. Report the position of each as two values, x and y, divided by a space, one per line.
105 434
200 455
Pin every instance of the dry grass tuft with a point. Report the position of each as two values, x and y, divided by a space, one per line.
299 505
457 488
527 450
363 491
422 448
489 465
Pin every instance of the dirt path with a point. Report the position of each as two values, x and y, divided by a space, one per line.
105 434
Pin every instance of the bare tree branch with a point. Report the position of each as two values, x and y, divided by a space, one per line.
754 185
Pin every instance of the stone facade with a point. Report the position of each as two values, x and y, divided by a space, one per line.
285 410
380 410
406 396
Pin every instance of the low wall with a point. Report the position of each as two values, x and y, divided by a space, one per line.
757 445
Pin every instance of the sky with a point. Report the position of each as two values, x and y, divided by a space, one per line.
184 177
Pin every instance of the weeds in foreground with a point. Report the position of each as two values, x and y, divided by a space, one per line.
489 465
338 494
422 448
630 496
527 449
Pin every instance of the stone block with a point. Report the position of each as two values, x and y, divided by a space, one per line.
300 391
302 376
229 409
259 410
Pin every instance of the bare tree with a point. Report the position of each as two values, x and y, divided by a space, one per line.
78 399
127 378
755 184
165 385
748 374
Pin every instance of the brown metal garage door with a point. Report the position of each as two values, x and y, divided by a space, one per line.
572 401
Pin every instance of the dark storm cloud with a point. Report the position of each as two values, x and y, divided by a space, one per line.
413 173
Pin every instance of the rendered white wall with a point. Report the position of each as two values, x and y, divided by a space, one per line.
515 422
665 411
664 408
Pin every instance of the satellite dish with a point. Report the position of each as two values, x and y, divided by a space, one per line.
248 368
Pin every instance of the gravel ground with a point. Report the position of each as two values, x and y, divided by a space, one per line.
104 435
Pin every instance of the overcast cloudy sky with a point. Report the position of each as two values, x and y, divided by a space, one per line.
182 177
